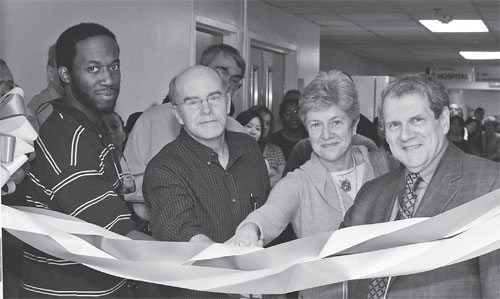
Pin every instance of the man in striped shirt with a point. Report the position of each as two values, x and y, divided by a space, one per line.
75 171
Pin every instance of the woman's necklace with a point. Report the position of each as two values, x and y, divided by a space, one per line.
343 177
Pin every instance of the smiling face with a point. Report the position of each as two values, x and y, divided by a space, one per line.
415 136
331 132
206 122
95 74
253 128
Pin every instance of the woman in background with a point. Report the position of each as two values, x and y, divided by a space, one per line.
254 124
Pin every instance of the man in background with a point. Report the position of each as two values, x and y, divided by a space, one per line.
203 184
436 177
158 126
40 104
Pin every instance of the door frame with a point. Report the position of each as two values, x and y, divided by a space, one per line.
277 44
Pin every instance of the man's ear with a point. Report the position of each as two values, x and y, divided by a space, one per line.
64 74
228 98
445 119
178 114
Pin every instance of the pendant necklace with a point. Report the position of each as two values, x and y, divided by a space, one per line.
345 183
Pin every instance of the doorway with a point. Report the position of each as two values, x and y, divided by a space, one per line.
267 76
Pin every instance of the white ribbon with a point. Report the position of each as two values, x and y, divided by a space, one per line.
384 249
16 135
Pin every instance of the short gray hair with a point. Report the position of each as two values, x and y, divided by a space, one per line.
328 89
420 84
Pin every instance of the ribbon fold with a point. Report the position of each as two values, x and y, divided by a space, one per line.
16 136
384 249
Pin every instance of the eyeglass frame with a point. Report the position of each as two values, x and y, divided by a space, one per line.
199 104
224 72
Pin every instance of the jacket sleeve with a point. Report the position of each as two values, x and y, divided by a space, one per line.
280 208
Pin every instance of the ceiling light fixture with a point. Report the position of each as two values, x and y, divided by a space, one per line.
445 23
455 26
480 55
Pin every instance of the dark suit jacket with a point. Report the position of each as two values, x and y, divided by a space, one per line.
459 178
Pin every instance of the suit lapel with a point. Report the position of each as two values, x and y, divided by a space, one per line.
442 187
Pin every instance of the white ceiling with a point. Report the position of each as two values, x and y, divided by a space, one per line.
388 31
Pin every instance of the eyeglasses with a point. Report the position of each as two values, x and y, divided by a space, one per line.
235 81
196 103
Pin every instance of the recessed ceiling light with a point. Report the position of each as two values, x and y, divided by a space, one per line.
455 26
479 55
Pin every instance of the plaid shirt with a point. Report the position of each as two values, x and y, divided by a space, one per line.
190 193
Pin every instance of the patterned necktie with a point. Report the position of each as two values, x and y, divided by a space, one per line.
377 287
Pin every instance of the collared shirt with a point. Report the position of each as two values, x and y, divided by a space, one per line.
74 173
154 129
40 105
426 174
190 193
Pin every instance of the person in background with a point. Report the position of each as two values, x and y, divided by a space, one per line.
158 126
203 184
75 171
12 248
436 177
293 129
131 120
473 127
114 126
479 114
40 103
253 123
272 152
6 78
381 142
316 197
490 139
454 109
456 134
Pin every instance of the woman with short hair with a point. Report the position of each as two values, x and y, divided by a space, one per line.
315 197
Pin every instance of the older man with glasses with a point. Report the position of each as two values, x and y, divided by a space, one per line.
203 184
158 126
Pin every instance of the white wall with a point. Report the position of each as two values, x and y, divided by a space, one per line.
272 24
151 34
469 100
155 37
333 58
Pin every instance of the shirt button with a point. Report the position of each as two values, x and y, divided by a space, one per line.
234 200
209 162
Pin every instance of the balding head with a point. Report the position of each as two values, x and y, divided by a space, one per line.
201 103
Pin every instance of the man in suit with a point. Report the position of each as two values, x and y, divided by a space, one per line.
436 177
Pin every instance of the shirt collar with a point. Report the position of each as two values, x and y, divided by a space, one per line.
207 154
61 107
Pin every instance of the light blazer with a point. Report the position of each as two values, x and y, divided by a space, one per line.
459 178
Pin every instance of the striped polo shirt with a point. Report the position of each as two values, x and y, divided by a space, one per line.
74 172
